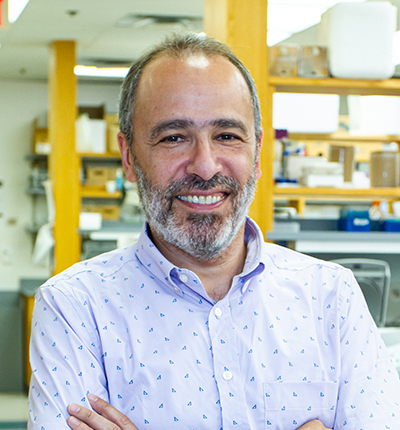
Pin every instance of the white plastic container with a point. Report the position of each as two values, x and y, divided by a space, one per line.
359 37
306 113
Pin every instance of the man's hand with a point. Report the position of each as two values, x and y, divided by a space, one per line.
109 418
313 425
106 418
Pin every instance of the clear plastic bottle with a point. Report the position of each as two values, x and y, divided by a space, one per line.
375 211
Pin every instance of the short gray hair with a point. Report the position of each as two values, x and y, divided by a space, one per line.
179 45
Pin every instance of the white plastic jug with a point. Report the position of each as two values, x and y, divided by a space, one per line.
359 37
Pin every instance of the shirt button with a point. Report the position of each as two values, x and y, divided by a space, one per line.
177 290
227 375
183 278
218 312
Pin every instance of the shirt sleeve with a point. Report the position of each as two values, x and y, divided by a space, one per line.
369 393
65 356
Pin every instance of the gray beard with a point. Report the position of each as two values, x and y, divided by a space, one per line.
202 236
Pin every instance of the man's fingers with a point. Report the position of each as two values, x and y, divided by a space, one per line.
110 413
75 424
84 419
106 417
313 425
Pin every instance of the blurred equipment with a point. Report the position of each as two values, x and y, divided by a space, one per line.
313 62
373 277
294 60
283 60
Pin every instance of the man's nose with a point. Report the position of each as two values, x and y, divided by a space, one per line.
204 160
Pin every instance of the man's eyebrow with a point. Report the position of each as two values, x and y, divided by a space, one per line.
187 123
170 125
230 123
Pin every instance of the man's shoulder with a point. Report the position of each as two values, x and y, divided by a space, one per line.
280 257
289 259
101 267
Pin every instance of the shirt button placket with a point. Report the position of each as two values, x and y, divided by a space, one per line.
228 378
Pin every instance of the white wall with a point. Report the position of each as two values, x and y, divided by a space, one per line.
20 103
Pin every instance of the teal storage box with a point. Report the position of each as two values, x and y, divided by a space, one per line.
353 220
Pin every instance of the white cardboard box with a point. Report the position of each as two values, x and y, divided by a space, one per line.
306 113
91 135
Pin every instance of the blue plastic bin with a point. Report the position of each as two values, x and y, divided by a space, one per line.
352 220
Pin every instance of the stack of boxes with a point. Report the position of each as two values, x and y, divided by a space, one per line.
97 177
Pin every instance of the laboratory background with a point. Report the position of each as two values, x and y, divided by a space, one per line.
328 76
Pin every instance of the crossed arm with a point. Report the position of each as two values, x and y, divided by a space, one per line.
107 417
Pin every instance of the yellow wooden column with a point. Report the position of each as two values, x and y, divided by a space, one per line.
242 24
64 162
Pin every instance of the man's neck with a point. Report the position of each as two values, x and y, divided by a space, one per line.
216 274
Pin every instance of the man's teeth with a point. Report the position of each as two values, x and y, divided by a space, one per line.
201 200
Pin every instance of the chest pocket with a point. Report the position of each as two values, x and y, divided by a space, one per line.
289 405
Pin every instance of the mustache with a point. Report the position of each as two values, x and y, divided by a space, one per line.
192 183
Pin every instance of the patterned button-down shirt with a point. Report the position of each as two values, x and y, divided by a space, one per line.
291 341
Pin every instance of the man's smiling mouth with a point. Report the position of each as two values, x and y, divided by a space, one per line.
202 200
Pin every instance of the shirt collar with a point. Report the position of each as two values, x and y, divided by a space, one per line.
159 267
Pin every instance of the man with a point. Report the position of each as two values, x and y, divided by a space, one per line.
200 324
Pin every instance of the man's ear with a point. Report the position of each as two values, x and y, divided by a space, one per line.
126 157
258 149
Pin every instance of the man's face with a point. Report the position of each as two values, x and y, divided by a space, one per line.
195 156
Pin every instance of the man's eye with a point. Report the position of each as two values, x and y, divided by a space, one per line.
227 136
172 139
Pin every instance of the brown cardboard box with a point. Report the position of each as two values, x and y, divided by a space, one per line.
111 173
346 155
112 131
94 112
108 212
41 143
97 176
384 169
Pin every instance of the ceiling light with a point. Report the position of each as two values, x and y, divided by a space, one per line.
101 72
15 8
141 20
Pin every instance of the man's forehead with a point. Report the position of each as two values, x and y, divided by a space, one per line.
192 62
172 72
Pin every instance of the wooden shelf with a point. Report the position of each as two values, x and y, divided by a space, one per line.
328 193
36 191
98 193
36 157
93 155
343 137
335 85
